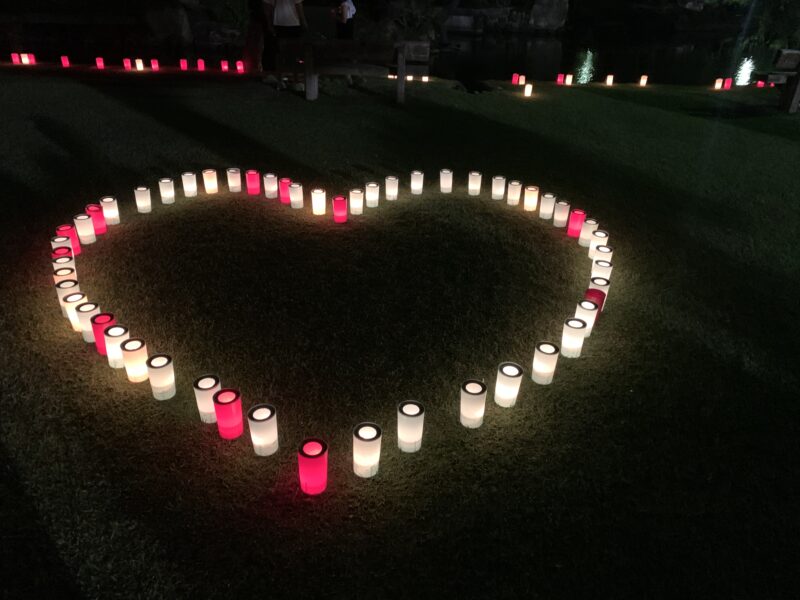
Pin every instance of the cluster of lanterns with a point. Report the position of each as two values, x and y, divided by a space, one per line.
136 64
223 405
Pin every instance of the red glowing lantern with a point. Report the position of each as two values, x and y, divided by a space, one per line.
62 251
65 61
228 408
312 466
252 182
726 85
98 220
515 79
184 64
283 190
201 64
15 58
239 66
99 323
596 296
223 65
759 84
154 64
32 59
560 79
126 64
69 231
340 209
99 62
576 218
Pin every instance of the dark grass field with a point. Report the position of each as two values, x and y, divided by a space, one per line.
663 463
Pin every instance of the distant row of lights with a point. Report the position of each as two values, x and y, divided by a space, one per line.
223 405
567 79
136 64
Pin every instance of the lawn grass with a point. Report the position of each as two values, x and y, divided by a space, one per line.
662 463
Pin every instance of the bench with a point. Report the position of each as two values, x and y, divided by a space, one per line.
786 73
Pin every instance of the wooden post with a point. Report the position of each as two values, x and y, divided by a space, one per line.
401 73
312 78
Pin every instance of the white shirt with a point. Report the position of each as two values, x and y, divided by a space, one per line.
284 13
348 9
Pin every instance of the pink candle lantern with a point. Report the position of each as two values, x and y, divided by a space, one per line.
312 466
126 64
560 79
99 62
240 66
727 83
228 408
183 64
283 190
515 79
201 64
99 324
65 61
576 218
596 296
32 58
154 64
251 180
339 209
69 231
15 58
223 65
59 252
759 84
98 220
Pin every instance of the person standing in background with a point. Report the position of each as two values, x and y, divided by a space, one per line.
283 19
344 12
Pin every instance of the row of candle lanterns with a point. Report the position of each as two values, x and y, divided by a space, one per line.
135 64
223 406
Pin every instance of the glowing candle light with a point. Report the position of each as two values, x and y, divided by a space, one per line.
515 79
366 449
521 80
210 181
134 357
417 178
506 388
142 195
70 231
15 60
126 64
99 62
189 182
25 59
560 79
545 358
283 190
587 311
446 181
576 218
240 66
718 84
602 284
392 187
531 201
514 192
139 64
598 238
184 64
223 66
409 78
201 64
759 84
114 336
251 181
63 289
205 387
596 296
727 83
58 252
609 80
356 202
296 195
528 90
65 61
312 466
603 252
474 183
270 186
547 206
71 303
572 337
234 179
339 209
643 81
65 262
473 403
568 79
602 268
561 213
228 407
32 59
85 312
263 422
425 79
410 425
587 228
498 187
161 373
61 241
318 201
110 210
372 194
84 228
100 322
154 64
98 220
63 274
166 188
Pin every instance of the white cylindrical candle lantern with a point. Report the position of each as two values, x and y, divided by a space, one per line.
366 449
531 201
263 422
473 403
602 284
392 187
410 425
603 252
597 238
602 268
63 289
643 80
417 179
71 303
589 226
514 192
587 311
356 202
568 79
474 183
161 373
139 64
114 336
210 181
528 90
134 357
372 194
545 358
509 379
64 262
446 181
609 80
166 188
296 195
142 195
63 273
234 180
318 201
110 210
546 206
85 312
572 337
205 387
498 187
189 182
84 228
561 213
270 185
